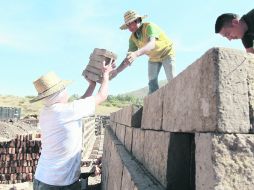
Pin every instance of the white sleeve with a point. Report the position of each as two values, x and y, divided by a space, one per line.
83 107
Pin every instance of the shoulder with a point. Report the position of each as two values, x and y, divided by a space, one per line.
247 40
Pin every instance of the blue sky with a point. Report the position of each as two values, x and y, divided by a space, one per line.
59 35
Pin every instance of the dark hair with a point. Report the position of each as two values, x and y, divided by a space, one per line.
138 20
224 20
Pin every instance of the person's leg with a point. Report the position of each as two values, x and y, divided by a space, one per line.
168 65
153 72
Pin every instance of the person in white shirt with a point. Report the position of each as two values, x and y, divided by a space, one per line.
61 130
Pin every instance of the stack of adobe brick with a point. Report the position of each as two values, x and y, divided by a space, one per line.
93 70
19 158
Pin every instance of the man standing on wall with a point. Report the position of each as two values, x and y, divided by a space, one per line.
149 39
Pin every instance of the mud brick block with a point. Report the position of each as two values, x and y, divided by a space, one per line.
12 144
7 177
2 151
113 126
211 95
130 116
105 53
112 116
115 166
7 157
29 177
11 150
153 110
2 177
138 141
2 158
128 138
28 156
93 70
92 76
170 158
224 161
120 133
24 176
30 169
13 170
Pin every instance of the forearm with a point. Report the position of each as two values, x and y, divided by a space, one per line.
148 47
122 66
89 91
103 91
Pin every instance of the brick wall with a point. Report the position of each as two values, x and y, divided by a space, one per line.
196 132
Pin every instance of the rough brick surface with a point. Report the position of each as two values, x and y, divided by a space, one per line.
130 116
120 133
210 95
156 154
134 175
153 110
138 144
128 138
224 161
250 80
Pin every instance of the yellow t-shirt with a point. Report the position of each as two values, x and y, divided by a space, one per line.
163 45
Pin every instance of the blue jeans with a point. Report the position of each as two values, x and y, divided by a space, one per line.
38 185
154 70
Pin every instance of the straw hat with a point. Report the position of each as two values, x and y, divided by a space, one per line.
129 17
47 85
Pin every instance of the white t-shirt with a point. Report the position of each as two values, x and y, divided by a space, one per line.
61 131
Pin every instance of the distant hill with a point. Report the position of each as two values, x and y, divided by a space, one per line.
142 92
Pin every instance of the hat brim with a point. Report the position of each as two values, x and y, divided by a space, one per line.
61 85
124 26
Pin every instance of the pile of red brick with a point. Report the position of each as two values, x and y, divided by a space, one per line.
19 158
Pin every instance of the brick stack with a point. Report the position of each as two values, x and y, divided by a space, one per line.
93 70
19 158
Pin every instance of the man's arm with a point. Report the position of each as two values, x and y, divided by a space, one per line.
102 94
131 56
89 90
250 50
146 48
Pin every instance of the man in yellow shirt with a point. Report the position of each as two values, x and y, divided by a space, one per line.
149 39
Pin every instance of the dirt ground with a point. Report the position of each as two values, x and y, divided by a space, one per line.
9 130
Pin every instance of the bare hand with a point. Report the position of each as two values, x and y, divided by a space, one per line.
108 68
131 56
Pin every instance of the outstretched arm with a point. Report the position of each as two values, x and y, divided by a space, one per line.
102 94
119 69
89 90
146 48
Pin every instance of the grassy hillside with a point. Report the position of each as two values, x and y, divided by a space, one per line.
28 108
113 104
141 93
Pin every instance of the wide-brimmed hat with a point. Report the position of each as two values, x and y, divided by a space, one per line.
129 17
47 85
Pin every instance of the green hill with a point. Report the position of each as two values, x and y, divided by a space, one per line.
142 92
